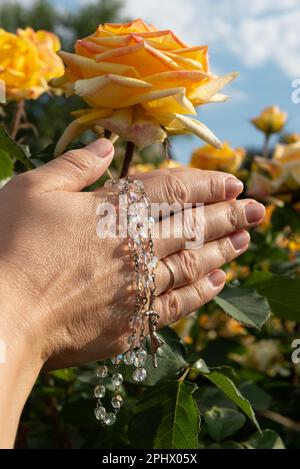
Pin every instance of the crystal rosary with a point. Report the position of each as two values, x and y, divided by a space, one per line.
140 245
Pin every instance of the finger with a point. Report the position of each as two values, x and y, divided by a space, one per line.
210 223
190 265
178 303
187 185
75 169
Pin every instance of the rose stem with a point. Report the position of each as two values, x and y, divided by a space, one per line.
127 159
17 119
266 146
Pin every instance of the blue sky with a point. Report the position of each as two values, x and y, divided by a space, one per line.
260 39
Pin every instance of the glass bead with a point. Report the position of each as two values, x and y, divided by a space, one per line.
99 391
139 375
134 196
136 322
149 281
117 360
129 357
140 357
110 184
131 341
151 221
122 185
153 263
100 413
137 185
102 371
117 401
109 419
117 379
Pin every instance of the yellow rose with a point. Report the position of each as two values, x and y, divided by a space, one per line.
140 84
166 164
280 174
141 168
28 60
226 159
271 120
291 138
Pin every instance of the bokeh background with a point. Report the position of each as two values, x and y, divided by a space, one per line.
259 39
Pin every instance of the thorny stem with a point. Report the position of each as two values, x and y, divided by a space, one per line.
127 159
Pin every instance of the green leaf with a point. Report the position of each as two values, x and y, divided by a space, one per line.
14 149
282 293
222 423
6 165
268 439
208 397
168 415
171 360
259 399
244 305
229 388
65 374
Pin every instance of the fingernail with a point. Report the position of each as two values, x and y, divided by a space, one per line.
217 278
233 187
240 240
255 212
101 147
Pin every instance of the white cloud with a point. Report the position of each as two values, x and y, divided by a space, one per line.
257 32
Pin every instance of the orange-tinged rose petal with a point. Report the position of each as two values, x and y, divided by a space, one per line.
143 57
162 100
77 127
135 127
207 90
218 98
185 62
200 130
108 91
198 53
116 41
135 26
170 104
164 40
174 78
84 67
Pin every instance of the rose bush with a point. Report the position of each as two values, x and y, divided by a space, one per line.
28 60
224 159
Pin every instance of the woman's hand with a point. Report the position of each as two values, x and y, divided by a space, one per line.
72 288
66 293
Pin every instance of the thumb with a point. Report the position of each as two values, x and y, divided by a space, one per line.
75 169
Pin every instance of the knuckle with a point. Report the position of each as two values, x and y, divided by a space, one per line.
79 160
200 293
213 187
23 181
223 248
188 264
233 215
176 190
173 307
